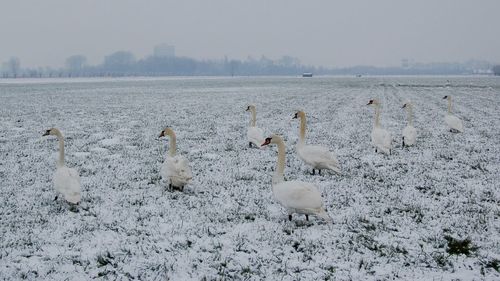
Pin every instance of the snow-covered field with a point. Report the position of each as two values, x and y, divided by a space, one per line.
404 216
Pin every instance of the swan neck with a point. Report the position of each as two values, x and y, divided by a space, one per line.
302 131
60 138
173 144
254 117
377 115
410 116
280 165
449 105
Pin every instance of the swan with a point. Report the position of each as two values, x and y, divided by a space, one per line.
381 138
255 134
319 157
409 132
453 121
175 169
296 196
66 180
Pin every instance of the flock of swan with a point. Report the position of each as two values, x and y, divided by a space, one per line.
297 197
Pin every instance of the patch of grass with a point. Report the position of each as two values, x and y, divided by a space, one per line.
459 247
105 273
441 259
250 217
246 271
415 212
495 264
32 274
103 260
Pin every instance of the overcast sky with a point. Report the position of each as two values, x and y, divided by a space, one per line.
319 32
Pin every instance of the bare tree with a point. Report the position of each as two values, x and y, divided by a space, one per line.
14 65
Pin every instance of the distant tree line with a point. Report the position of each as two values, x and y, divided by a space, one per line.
124 63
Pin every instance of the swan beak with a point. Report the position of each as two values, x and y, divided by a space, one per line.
445 97
404 105
162 134
46 133
370 102
248 108
266 142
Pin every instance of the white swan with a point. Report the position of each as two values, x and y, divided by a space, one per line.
409 132
175 170
255 134
296 196
66 180
381 138
319 157
453 121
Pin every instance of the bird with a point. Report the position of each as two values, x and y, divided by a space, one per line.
66 180
381 138
451 120
255 135
295 196
409 132
175 170
319 157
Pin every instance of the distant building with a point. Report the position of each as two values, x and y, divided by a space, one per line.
164 51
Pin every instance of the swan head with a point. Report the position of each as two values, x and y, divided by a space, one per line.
373 102
407 104
51 132
166 132
250 107
267 141
447 97
299 114
272 139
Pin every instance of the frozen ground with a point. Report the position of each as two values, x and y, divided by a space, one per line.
403 216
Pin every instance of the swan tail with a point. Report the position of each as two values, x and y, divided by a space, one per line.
335 168
73 198
386 150
324 215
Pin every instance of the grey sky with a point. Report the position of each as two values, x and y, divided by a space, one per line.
319 32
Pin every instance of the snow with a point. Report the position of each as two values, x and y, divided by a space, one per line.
391 212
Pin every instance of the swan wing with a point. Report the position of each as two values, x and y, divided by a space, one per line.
410 135
298 195
454 122
318 156
255 135
67 182
177 170
381 138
